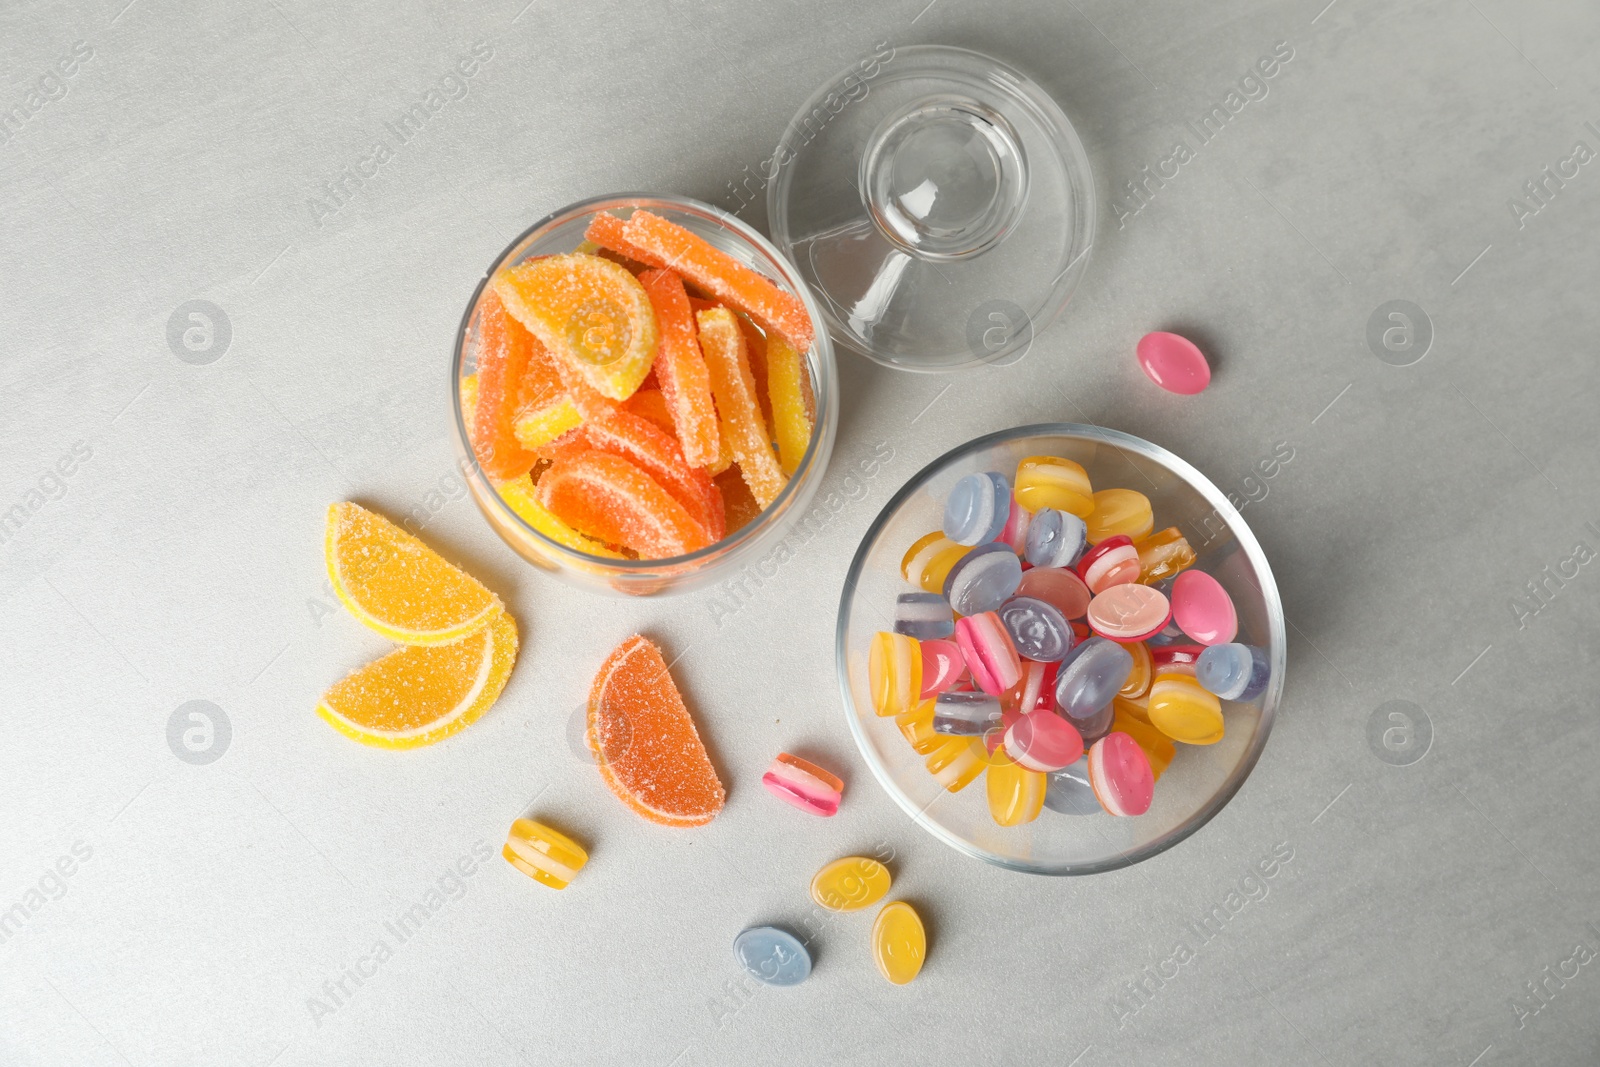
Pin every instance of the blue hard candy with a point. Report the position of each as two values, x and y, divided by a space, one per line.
773 956
1090 675
1055 538
977 508
1038 630
924 616
1233 671
983 579
1068 791
965 714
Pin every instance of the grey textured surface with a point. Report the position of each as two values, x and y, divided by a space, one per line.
181 558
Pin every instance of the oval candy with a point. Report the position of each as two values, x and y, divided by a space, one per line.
1129 613
850 884
772 956
899 943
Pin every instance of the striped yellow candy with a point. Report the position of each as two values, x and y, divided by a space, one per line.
547 856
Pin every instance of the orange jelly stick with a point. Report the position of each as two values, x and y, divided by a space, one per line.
605 230
723 344
612 500
504 351
720 275
681 368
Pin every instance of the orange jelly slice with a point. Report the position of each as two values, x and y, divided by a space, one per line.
656 452
590 313
613 500
649 752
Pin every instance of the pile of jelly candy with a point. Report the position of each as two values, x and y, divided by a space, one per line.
773 955
642 396
457 641
1058 642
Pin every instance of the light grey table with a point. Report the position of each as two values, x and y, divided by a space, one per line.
163 499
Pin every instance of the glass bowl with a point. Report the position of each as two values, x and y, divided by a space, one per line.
1200 780
562 232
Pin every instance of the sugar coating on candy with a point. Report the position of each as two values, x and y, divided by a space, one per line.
721 275
417 694
1058 587
651 404
1120 775
681 368
592 315
648 750
793 404
734 390
1015 792
504 349
521 497
1119 511
397 585
850 884
605 230
547 856
544 407
656 452
804 785
613 500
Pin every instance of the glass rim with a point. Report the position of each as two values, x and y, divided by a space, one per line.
821 345
1265 582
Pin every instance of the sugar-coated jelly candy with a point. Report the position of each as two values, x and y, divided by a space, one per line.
1138 683
928 561
943 665
965 714
1203 608
899 943
1162 555
803 784
1157 746
1119 511
1052 482
1016 792
850 884
547 856
1055 538
1015 532
957 762
925 616
1068 792
983 579
916 726
1120 775
1129 613
1043 741
1059 587
1175 657
977 508
1037 630
894 672
990 656
1097 724
1184 711
1111 562
1233 671
1090 675
772 956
